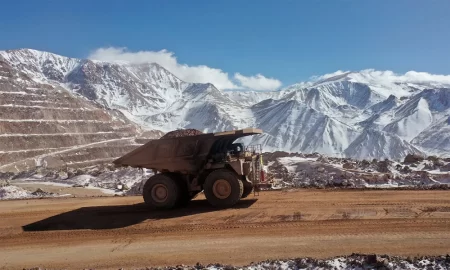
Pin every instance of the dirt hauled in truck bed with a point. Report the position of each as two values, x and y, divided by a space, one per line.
119 232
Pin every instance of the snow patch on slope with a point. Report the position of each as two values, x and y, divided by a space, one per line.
378 144
13 192
435 139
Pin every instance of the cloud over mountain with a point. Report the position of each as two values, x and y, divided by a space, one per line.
258 82
389 77
197 74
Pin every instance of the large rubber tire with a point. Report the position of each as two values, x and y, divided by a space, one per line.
161 191
248 188
223 188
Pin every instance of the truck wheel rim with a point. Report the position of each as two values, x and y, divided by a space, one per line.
222 189
159 193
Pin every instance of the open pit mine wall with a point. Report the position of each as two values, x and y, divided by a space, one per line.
46 125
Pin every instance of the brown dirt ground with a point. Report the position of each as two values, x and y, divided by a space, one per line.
114 232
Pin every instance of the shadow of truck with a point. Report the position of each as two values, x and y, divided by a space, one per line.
120 216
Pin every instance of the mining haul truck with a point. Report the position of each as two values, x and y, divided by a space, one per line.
184 166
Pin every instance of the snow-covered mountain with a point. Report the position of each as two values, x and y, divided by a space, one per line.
366 114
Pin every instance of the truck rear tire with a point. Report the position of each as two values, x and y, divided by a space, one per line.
223 188
161 192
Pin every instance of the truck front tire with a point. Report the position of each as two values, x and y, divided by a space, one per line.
223 188
248 188
161 192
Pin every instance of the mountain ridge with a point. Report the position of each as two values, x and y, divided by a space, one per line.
343 114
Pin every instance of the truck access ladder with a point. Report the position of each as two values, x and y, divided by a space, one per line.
257 176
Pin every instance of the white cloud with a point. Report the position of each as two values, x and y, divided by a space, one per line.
197 74
384 83
387 77
258 82
194 74
408 77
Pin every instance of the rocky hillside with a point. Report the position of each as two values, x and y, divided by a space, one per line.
44 124
351 262
314 170
366 114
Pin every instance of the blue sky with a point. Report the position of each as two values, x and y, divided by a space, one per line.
286 40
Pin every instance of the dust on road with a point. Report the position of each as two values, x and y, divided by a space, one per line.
114 232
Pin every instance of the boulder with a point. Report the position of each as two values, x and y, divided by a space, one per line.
365 163
320 169
412 158
51 174
438 163
445 168
383 166
39 192
429 166
371 259
323 159
4 183
6 175
348 166
313 155
406 169
63 175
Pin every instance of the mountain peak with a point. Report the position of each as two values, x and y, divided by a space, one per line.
33 53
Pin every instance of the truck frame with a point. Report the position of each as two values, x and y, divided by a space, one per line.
184 166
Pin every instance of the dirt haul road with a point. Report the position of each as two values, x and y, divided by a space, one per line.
116 232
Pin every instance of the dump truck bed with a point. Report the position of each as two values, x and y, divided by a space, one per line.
183 154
